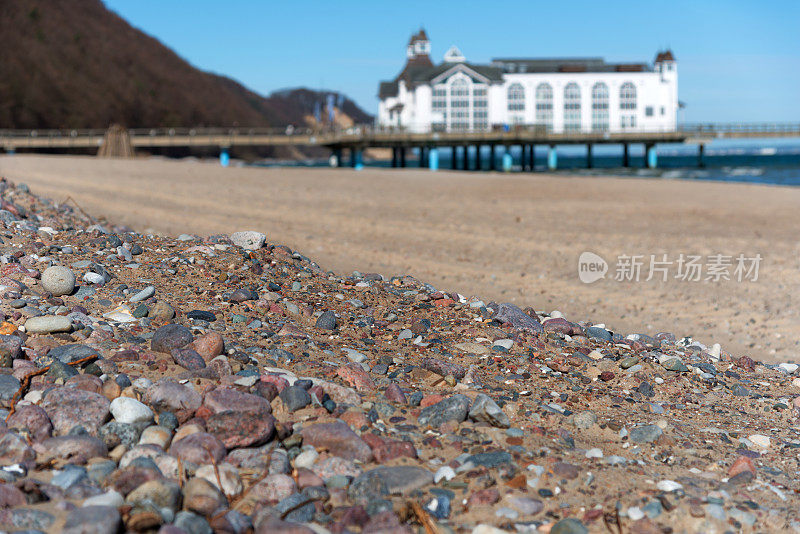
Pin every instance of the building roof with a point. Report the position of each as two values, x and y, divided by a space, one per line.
665 56
419 36
585 64
416 73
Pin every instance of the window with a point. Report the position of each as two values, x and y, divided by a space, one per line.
516 97
572 107
600 107
480 105
439 101
544 105
648 111
663 111
627 104
459 105
627 96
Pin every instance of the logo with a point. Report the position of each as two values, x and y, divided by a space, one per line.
591 267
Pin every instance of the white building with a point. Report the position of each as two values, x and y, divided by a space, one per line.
560 95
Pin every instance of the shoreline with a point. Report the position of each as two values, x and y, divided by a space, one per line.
514 237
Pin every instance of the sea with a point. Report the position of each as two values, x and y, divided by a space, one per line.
762 161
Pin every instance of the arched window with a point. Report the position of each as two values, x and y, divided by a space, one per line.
516 97
627 96
544 105
459 105
627 105
600 107
572 107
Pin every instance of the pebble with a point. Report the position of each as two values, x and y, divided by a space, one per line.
130 411
58 280
48 324
248 240
144 294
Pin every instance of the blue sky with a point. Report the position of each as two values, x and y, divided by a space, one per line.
738 60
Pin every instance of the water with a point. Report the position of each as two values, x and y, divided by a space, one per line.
775 162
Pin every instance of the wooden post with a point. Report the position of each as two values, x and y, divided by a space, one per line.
626 159
589 155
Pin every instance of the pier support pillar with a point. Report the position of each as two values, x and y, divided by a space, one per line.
492 158
508 159
478 162
433 159
453 158
701 148
533 158
402 157
626 158
394 157
422 157
552 158
336 157
652 157
224 157
353 157
523 158
589 156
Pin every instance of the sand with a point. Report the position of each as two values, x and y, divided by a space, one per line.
509 237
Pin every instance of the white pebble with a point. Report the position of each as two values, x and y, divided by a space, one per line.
594 453
130 411
445 472
306 459
668 485
759 440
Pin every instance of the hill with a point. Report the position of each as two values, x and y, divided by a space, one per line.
76 64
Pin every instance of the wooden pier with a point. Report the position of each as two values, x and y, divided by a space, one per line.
354 141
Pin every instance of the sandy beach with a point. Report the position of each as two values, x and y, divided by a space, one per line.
513 238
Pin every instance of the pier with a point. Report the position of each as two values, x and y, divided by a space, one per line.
347 146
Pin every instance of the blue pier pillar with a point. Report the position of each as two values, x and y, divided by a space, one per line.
507 160
433 159
224 157
652 157
359 160
552 158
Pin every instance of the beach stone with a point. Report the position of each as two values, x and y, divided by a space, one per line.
385 449
357 377
48 324
199 448
14 449
645 434
248 240
167 395
144 294
228 475
202 497
486 410
326 321
130 411
161 311
238 419
453 408
202 315
443 368
393 393
115 433
188 358
93 520
511 314
189 523
58 280
76 449
170 336
33 420
584 420
68 407
10 496
339 439
295 398
490 459
526 505
386 480
10 349
9 385
209 345
595 332
72 352
569 525
163 493
27 519
243 295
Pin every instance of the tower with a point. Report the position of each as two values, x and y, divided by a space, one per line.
419 45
